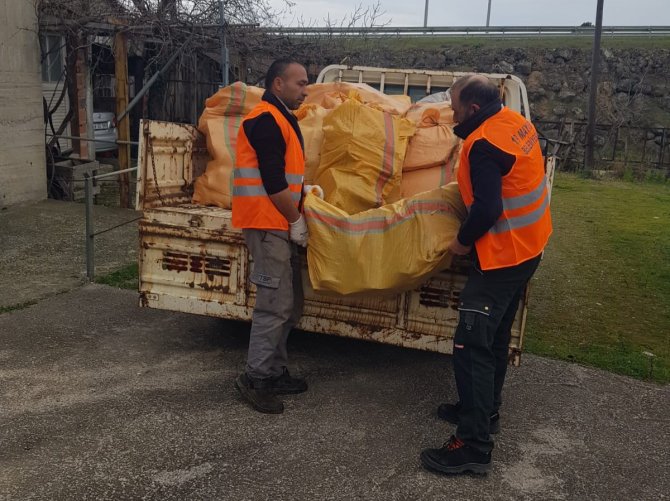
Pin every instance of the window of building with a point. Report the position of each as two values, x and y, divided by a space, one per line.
53 49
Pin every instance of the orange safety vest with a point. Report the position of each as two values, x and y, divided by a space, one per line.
252 207
523 229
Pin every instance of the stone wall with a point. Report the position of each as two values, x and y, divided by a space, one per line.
634 85
634 88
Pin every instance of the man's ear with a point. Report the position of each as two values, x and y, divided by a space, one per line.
277 84
475 107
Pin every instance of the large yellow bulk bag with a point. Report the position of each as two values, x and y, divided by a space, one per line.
417 110
310 118
235 100
219 123
331 95
389 249
361 156
433 142
419 181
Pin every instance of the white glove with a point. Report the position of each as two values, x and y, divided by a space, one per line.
314 189
298 232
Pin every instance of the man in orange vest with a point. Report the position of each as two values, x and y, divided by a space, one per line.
502 180
267 203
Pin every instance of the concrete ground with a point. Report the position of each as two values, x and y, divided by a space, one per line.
42 248
100 399
103 400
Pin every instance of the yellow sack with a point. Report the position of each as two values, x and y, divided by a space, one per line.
220 122
310 118
389 249
419 181
433 142
361 156
417 110
236 99
331 95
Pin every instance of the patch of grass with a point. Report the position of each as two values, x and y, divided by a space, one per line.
601 294
16 307
125 278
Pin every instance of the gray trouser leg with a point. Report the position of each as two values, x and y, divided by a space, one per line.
281 356
275 300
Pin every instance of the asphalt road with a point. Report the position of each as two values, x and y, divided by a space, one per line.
100 399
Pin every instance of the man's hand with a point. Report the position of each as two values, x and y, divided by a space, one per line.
298 232
284 203
314 189
458 249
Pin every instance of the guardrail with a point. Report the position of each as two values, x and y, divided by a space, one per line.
493 31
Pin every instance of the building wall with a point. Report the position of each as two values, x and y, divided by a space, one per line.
22 157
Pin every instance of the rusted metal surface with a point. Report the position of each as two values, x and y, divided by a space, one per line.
172 156
203 268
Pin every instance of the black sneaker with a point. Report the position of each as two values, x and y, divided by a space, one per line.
449 413
456 457
285 384
259 394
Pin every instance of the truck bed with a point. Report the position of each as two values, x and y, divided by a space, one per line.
193 261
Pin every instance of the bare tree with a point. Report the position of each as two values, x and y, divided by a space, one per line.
329 46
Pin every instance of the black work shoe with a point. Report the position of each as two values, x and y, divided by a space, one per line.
456 457
259 394
285 384
449 412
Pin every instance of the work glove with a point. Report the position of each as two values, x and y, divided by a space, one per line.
315 189
298 232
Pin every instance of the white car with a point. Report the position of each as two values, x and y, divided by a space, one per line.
104 131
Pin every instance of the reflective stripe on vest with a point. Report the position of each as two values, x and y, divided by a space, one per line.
513 223
254 173
511 203
518 202
259 191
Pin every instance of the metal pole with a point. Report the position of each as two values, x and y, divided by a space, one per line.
488 15
224 48
123 124
662 152
82 138
589 160
90 234
425 16
115 173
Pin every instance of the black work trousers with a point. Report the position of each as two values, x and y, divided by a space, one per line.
487 307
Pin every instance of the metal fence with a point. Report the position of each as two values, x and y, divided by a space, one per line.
617 147
90 229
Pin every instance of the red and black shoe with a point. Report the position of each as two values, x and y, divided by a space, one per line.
456 457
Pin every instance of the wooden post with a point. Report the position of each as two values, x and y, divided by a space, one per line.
76 86
123 127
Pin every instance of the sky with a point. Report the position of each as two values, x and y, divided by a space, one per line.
473 12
